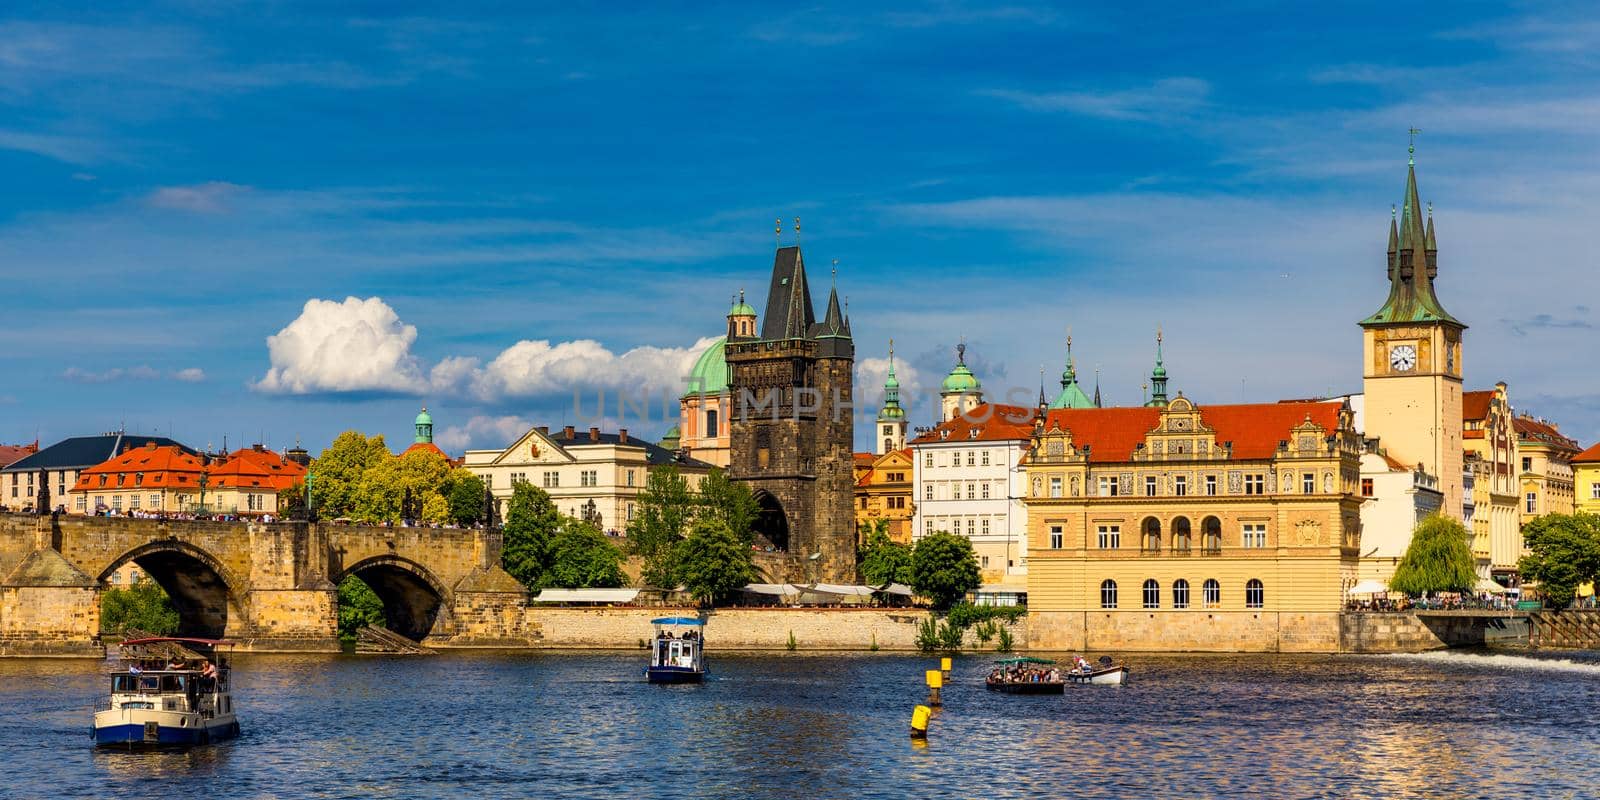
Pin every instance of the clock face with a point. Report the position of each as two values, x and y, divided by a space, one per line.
1403 358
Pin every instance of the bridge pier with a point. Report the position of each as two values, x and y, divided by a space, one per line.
48 607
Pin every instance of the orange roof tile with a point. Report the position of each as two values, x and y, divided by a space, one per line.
1538 430
161 467
1590 456
250 469
991 422
1113 434
1475 405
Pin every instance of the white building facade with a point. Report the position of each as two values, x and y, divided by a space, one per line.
1395 500
968 479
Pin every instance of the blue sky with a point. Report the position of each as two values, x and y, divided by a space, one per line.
287 220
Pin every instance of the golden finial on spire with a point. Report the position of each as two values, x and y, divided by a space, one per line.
1411 149
796 230
777 231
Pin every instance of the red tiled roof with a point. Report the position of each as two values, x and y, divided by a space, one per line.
162 467
250 469
1475 405
993 422
12 453
864 459
1255 429
1530 428
1590 456
426 447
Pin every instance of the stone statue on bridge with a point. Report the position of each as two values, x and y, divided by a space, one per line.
44 506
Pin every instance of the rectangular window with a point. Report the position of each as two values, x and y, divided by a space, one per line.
985 562
1110 537
972 492
133 501
986 458
1255 484
630 512
1594 491
971 459
985 527
1255 534
1308 483
155 501
1180 486
927 491
1149 486
1055 537
985 492
1527 464
927 459
972 527
927 527
80 503
1366 487
1055 485
955 459
630 477
1533 502
116 502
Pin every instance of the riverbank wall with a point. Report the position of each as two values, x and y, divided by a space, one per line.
1414 632
890 629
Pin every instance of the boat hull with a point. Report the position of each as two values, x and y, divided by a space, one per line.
1114 676
1028 687
674 675
161 729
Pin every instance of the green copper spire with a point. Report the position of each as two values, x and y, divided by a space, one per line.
1413 263
960 380
424 425
891 411
1158 378
1072 396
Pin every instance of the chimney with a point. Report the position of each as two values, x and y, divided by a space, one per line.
544 430
149 445
622 436
259 448
594 434
568 432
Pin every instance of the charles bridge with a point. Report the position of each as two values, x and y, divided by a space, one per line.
266 586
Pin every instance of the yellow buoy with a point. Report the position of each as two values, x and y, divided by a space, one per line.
919 721
944 664
935 679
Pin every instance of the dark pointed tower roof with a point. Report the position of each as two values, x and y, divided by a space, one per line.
1413 264
789 313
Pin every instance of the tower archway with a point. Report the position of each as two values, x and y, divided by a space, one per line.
772 524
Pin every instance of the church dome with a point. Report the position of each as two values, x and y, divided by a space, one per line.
710 372
961 380
741 308
424 418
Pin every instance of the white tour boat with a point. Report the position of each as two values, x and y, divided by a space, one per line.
168 691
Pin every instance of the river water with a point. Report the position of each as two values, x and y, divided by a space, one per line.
1457 725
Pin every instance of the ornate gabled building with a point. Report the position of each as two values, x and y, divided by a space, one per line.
791 426
1412 357
1192 527
883 494
1586 478
1489 437
1545 474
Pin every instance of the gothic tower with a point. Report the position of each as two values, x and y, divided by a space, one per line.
792 424
1411 357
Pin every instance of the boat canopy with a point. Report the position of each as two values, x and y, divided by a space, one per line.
695 621
1025 660
587 596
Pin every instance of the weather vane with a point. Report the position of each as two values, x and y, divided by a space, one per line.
1411 148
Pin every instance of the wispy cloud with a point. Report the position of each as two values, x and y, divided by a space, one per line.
142 372
205 198
1521 326
1165 99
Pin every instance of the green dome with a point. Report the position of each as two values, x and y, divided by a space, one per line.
424 418
891 414
961 380
710 373
742 309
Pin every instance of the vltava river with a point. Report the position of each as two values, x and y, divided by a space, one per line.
1453 725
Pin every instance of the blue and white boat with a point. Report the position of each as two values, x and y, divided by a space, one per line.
677 654
168 692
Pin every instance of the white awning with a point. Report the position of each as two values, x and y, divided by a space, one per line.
772 589
1486 585
897 589
1369 586
586 596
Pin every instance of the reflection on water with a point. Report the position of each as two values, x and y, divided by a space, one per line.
517 725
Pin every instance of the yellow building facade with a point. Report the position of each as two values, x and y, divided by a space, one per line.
883 493
1188 527
1544 458
1586 479
1490 441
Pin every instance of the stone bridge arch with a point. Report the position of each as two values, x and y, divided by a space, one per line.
209 598
416 604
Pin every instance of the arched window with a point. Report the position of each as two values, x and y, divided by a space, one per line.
1150 535
1255 595
1108 593
1211 593
1180 593
1211 535
1180 535
1152 593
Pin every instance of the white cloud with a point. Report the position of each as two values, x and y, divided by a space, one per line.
352 346
142 372
1168 97
212 197
190 375
484 431
870 375
534 368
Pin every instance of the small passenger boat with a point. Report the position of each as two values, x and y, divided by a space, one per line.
677 654
1105 672
1025 675
168 691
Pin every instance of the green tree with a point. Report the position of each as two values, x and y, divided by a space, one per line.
666 507
143 605
1437 560
581 557
359 607
883 560
944 569
1563 552
730 502
532 521
340 470
383 485
713 561
466 497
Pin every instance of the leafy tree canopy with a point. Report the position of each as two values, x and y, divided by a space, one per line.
1438 559
359 607
730 502
144 605
466 497
666 507
1563 552
883 560
581 557
713 561
532 521
944 568
339 471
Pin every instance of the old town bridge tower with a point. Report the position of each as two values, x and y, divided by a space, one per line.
791 425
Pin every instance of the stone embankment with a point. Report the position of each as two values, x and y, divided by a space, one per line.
890 629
